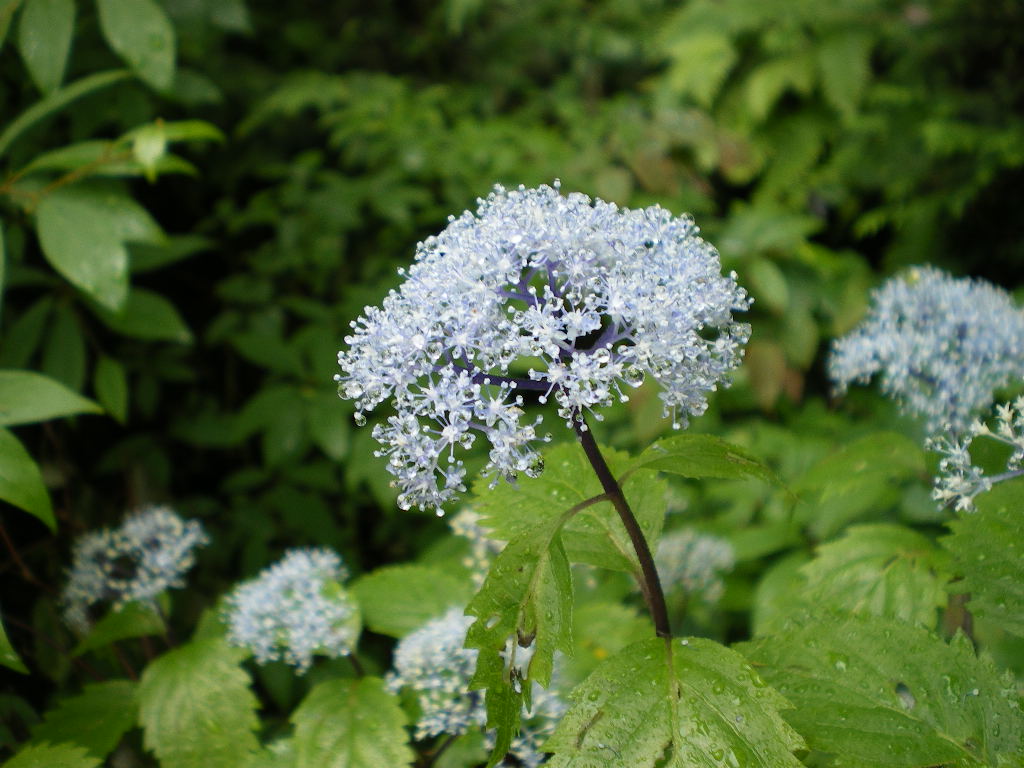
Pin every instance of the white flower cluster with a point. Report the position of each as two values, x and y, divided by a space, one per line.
942 346
482 548
959 480
565 296
148 554
294 609
693 563
433 664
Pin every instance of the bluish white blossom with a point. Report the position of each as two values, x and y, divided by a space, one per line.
941 345
693 563
568 297
482 548
294 609
433 664
959 480
149 553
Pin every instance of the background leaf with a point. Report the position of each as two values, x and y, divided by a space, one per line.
111 386
147 315
21 482
27 397
8 656
141 34
44 39
130 620
398 599
96 718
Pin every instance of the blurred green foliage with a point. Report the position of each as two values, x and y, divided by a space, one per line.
196 196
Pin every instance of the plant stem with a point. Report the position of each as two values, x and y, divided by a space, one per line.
650 584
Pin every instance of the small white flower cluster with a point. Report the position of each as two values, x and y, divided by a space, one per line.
148 554
482 548
294 609
959 481
693 563
942 346
560 295
433 664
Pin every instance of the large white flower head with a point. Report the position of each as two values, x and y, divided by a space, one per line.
149 553
562 295
433 664
941 345
294 609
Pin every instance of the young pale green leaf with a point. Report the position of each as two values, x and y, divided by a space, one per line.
879 693
146 315
52 756
395 600
350 724
102 158
44 40
111 386
21 482
703 707
96 718
83 229
8 656
131 620
64 355
140 33
988 545
700 456
27 397
196 708
884 570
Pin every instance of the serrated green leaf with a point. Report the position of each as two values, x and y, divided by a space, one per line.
705 706
83 229
395 600
27 397
111 386
350 724
700 456
196 707
988 545
45 30
64 352
772 79
21 482
140 33
879 693
844 69
131 620
699 64
146 315
52 756
882 570
8 656
95 719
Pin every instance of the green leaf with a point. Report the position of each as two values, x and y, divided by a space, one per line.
988 546
7 9
774 596
21 482
27 397
102 158
350 724
772 79
395 600
111 386
8 656
52 756
44 39
131 620
55 102
19 341
877 693
600 631
699 63
3 262
83 229
95 719
883 570
693 704
879 456
700 456
140 33
64 352
328 420
146 315
844 69
196 708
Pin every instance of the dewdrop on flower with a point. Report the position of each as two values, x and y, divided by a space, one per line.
294 609
959 481
149 553
433 665
571 298
693 563
941 345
